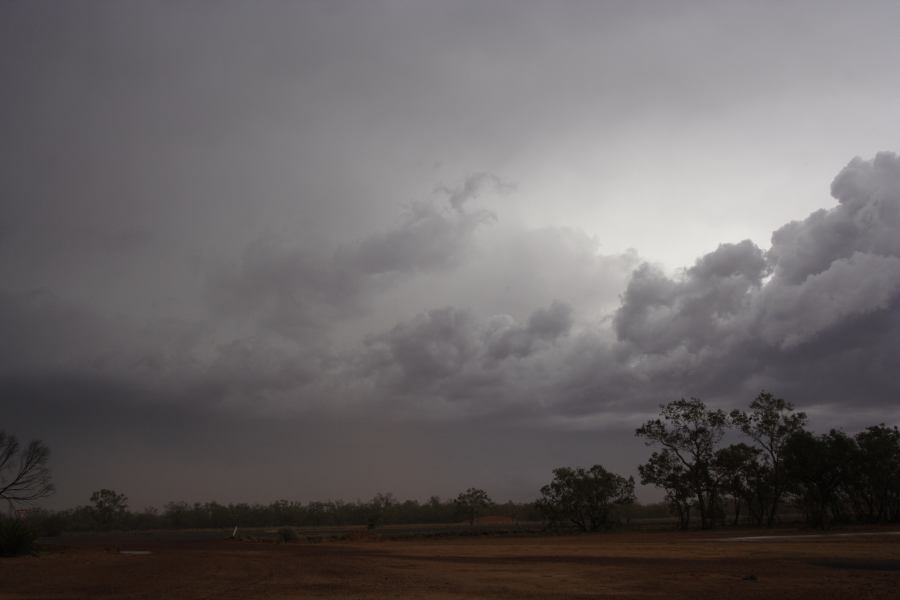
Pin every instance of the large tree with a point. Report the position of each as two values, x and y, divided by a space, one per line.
585 497
691 433
876 474
819 466
24 476
770 424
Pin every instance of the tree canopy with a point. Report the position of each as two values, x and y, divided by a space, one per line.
24 475
471 502
689 433
585 497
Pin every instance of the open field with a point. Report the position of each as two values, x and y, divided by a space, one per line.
611 565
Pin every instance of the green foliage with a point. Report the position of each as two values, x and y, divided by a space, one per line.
585 497
16 537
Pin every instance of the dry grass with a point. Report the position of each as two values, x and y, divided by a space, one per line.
617 565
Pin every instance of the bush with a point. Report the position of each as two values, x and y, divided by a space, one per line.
45 523
16 538
287 534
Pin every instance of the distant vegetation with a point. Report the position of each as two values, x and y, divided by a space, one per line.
381 510
778 467
16 537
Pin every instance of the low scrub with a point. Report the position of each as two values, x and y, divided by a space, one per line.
16 538
288 534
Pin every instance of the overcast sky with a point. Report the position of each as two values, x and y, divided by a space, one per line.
314 250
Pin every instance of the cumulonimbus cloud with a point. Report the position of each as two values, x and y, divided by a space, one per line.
816 317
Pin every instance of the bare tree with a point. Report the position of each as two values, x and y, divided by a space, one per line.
24 476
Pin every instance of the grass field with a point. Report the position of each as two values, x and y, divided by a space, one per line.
608 565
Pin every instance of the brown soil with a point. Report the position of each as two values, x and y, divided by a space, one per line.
494 520
612 565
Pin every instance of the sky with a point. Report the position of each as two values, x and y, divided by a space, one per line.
321 250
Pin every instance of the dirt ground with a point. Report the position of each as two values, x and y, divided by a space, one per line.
610 565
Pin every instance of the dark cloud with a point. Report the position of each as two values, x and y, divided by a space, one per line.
816 318
737 320
544 325
428 349
866 220
454 355
299 288
795 320
659 314
41 332
203 267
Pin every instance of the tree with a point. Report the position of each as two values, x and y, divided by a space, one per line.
664 470
770 423
737 471
819 466
24 476
876 474
108 507
471 502
691 433
585 497
380 506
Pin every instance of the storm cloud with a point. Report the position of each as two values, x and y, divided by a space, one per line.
736 316
331 249
739 319
298 288
816 317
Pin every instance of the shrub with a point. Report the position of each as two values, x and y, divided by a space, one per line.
16 538
45 523
287 534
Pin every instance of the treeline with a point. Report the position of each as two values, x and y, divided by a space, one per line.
109 510
715 467
830 478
